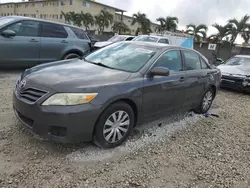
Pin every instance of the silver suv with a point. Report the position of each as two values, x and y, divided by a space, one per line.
28 41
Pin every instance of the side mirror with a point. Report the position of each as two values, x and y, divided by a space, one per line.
8 33
218 62
159 71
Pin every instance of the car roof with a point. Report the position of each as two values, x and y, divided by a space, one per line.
37 19
154 44
159 37
125 35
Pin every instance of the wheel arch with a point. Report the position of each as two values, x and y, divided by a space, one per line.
76 51
130 102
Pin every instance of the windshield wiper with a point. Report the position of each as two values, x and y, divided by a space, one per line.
102 65
99 64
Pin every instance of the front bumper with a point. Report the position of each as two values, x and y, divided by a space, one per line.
236 83
64 124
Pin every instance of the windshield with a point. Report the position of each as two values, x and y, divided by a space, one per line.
122 56
146 39
116 38
4 21
238 61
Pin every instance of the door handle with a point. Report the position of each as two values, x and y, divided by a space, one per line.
33 40
181 79
64 41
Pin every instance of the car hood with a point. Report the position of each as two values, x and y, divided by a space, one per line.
73 75
236 69
102 44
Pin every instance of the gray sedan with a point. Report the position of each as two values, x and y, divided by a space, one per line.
105 95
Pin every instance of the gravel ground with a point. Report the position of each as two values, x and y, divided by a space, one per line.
185 150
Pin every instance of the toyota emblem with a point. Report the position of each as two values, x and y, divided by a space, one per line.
22 83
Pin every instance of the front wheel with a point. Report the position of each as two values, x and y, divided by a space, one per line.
114 125
206 101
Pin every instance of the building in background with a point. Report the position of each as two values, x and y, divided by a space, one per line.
51 10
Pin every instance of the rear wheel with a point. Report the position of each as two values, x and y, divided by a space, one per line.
206 101
71 56
114 125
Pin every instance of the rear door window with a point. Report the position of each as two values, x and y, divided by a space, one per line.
79 33
203 64
51 30
192 60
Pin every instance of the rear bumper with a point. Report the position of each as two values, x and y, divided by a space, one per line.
69 124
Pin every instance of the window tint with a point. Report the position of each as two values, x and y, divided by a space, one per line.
79 33
203 64
171 60
192 60
164 41
53 31
25 28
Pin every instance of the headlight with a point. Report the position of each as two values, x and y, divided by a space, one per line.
68 99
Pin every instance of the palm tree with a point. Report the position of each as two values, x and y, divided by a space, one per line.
238 27
66 16
87 20
104 19
246 35
169 24
143 22
76 18
197 31
222 32
120 27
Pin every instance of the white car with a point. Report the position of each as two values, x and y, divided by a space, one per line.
236 73
115 38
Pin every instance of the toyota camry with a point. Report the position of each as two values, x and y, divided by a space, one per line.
104 95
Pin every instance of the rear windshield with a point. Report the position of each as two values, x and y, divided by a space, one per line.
238 61
4 21
146 39
117 38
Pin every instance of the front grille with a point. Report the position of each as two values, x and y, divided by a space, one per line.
234 78
30 94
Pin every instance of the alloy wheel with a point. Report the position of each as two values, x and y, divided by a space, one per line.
207 100
116 126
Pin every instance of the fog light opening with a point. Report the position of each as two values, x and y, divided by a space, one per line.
58 131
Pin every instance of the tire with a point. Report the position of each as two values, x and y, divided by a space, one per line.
107 135
71 56
207 98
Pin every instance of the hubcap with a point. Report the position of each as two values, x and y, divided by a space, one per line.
207 100
116 126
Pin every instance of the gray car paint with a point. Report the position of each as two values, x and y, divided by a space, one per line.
150 97
29 51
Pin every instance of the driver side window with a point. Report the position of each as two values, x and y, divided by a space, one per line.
171 60
25 28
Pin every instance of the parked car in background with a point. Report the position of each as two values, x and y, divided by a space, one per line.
106 94
236 73
178 39
28 41
115 38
